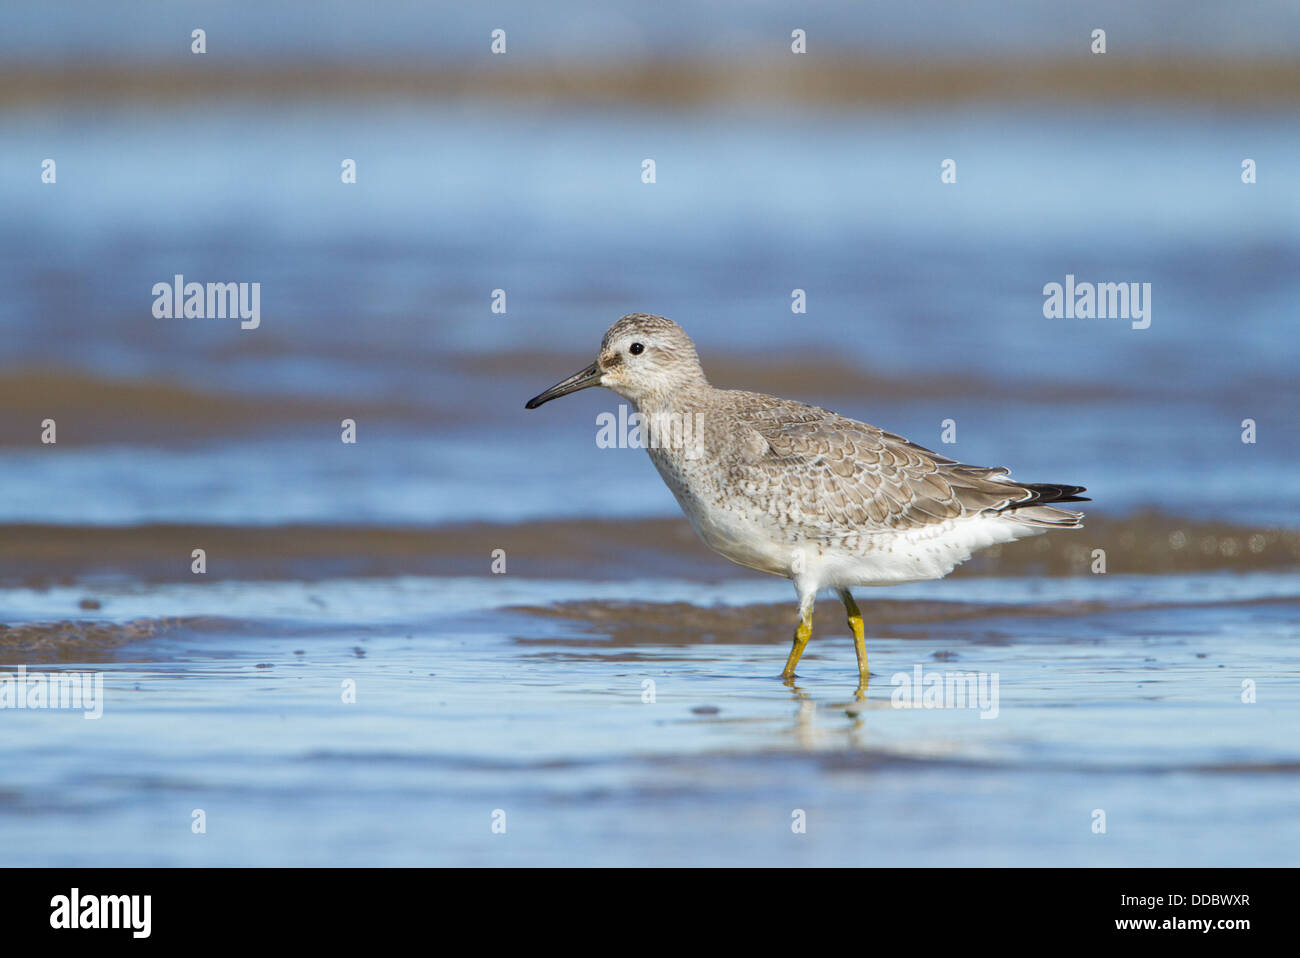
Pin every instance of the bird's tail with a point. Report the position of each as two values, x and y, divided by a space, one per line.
1033 509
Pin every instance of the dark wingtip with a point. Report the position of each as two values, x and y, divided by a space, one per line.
1071 494
1051 492
1046 493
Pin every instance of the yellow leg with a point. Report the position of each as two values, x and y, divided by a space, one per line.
859 637
801 636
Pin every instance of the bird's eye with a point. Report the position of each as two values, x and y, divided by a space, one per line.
636 349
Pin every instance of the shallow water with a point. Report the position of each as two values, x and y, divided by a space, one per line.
523 691
464 708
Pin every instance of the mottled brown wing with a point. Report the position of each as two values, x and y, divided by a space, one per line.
845 477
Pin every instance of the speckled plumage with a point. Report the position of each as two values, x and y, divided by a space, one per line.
795 490
802 477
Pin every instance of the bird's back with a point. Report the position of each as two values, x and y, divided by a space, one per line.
804 477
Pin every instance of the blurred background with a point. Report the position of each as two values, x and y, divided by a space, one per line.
522 172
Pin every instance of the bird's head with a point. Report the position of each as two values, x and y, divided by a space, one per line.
642 358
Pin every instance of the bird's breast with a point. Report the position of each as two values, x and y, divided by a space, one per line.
729 524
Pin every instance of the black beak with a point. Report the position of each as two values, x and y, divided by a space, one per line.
579 380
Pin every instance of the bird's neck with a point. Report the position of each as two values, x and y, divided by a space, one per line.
670 399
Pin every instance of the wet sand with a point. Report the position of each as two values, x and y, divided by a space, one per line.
611 729
883 81
1149 543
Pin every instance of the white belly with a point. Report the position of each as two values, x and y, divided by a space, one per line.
916 555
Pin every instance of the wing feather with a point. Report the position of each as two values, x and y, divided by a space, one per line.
841 477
